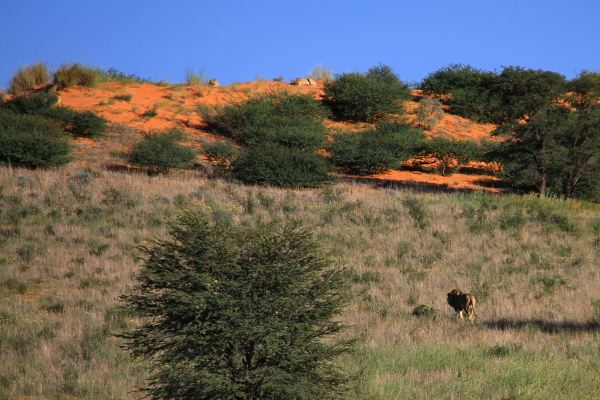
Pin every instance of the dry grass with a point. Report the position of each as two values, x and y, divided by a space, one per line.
68 239
28 78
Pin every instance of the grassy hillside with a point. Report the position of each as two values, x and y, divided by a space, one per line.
68 244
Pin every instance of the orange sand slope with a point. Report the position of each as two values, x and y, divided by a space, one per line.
178 105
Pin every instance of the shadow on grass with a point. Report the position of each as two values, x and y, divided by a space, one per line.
544 326
417 186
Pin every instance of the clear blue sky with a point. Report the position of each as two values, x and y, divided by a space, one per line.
239 40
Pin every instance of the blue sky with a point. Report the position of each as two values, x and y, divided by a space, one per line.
236 41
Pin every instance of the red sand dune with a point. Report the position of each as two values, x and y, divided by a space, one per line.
178 105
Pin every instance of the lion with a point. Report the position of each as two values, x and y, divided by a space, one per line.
462 303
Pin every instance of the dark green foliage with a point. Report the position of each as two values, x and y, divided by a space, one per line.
79 123
452 153
276 165
376 150
365 97
32 141
285 130
232 312
556 151
288 119
160 151
76 75
33 103
450 78
485 96
523 92
86 123
29 78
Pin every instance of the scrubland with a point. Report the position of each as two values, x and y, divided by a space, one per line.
69 237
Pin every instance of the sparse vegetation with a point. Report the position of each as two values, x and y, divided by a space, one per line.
123 97
28 78
429 113
194 77
367 97
321 73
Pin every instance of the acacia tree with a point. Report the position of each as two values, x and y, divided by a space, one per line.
233 312
582 141
532 155
557 146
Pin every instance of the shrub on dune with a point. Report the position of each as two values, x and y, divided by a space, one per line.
276 165
366 97
160 151
76 75
28 78
376 150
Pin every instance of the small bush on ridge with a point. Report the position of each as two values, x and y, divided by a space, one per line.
76 75
365 97
28 78
429 113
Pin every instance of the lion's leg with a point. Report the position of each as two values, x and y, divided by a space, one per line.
460 315
471 314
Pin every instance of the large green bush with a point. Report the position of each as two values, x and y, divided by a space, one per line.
376 150
28 78
284 118
238 312
276 165
160 151
32 141
366 96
